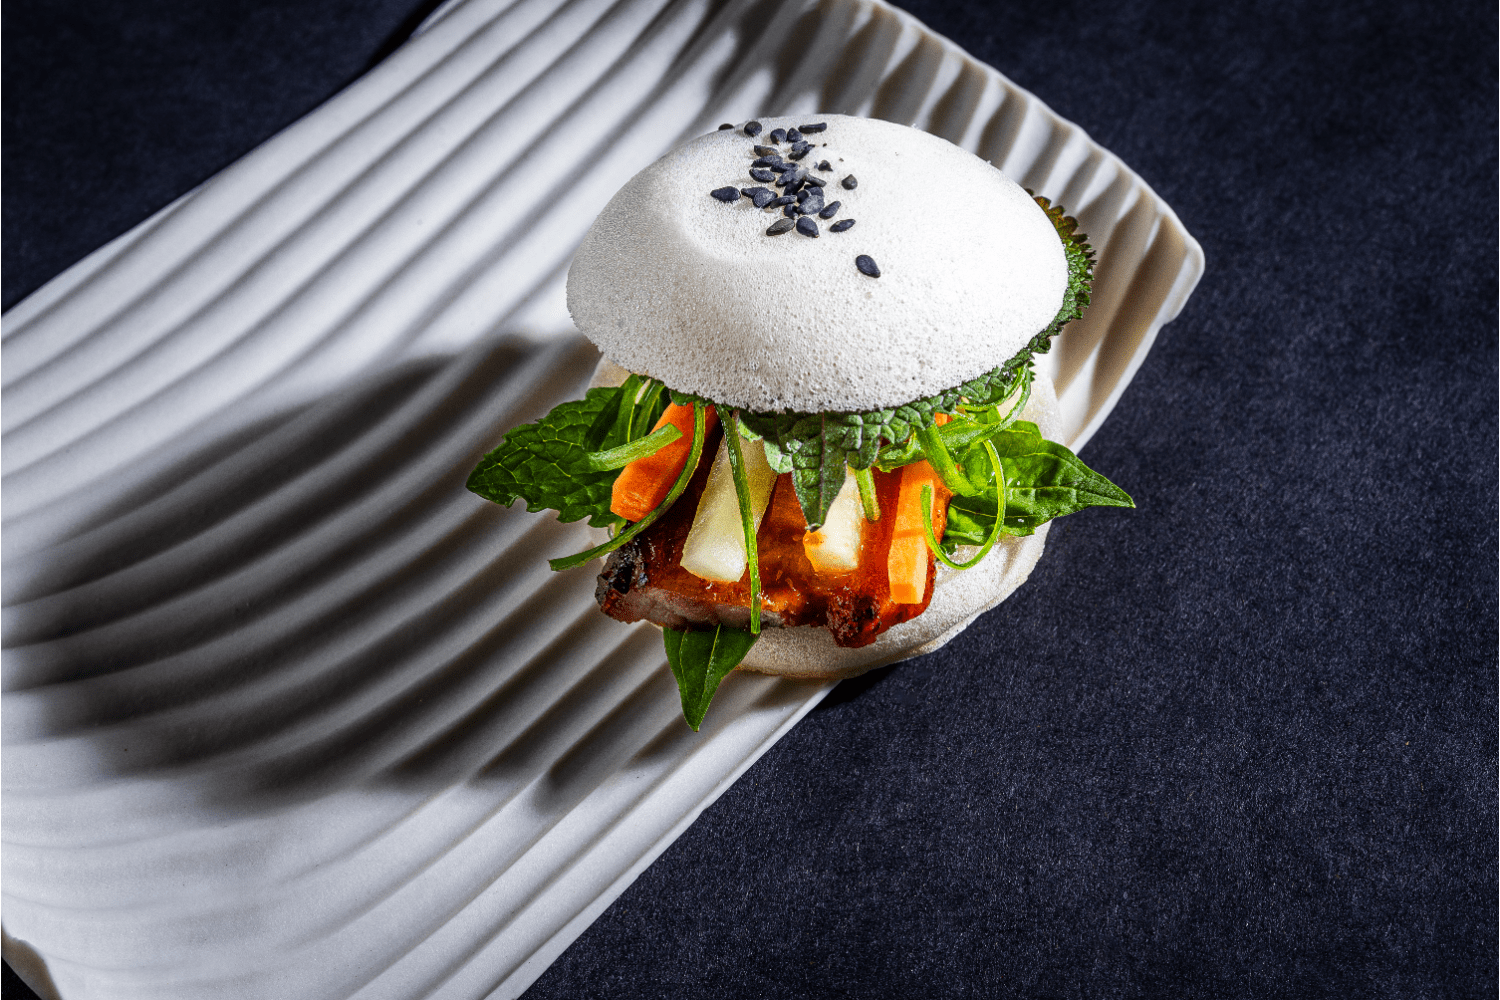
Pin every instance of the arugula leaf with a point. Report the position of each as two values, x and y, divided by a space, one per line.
1043 480
547 463
700 659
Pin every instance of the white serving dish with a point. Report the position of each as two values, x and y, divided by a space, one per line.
287 711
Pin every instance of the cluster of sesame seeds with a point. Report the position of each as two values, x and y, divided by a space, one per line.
802 195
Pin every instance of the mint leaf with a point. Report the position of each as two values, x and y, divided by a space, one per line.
700 659
625 534
546 463
554 463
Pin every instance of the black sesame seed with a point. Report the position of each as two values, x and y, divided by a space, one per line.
773 161
785 199
825 165
799 150
850 183
830 210
726 194
760 196
726 125
780 226
809 129
752 129
807 227
842 224
813 203
767 151
867 265
791 211
815 181
764 176
792 135
777 135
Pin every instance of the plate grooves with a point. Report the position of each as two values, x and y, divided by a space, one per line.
433 761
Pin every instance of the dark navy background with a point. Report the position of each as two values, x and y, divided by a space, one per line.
1240 742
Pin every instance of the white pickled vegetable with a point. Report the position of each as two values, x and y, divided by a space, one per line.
715 546
834 548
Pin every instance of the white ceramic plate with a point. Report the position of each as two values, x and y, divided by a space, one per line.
287 711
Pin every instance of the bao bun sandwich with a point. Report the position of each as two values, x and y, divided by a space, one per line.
817 439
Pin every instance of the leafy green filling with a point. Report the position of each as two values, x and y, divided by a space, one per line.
553 464
1041 480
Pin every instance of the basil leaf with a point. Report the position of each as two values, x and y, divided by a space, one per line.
546 463
700 659
969 522
1043 480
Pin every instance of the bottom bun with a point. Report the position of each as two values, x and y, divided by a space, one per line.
958 596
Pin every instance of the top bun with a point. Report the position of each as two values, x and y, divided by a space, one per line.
673 283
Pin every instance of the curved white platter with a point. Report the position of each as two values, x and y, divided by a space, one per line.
288 711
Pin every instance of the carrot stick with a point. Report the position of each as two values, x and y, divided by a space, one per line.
909 560
643 484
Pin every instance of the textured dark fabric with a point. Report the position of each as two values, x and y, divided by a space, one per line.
1239 742
114 109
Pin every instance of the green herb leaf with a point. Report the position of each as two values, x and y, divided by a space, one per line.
604 427
1046 480
700 659
942 462
547 463
567 460
683 477
1042 480
867 498
818 471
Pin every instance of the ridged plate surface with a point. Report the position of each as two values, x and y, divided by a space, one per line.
287 711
